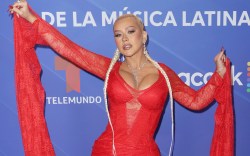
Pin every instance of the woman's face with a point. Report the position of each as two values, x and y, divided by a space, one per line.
129 36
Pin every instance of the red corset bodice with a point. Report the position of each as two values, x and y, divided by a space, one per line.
134 115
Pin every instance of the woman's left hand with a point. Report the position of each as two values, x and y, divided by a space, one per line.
21 9
220 60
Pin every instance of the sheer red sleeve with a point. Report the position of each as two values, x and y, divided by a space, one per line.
47 35
223 138
29 90
30 93
218 89
190 98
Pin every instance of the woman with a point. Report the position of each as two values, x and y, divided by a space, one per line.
136 89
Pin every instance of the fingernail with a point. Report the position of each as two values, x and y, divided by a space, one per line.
10 7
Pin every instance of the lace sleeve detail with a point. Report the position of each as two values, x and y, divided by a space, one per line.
190 98
94 63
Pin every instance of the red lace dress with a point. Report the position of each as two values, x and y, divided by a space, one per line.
134 113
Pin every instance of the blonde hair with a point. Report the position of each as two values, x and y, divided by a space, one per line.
141 25
114 60
170 95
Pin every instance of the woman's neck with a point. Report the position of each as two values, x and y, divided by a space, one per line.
136 61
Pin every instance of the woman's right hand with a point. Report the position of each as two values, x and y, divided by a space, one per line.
22 10
220 60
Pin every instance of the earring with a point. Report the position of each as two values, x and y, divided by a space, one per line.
122 58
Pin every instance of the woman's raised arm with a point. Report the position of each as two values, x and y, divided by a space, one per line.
46 34
197 100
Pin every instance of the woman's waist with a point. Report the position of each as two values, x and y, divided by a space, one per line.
126 147
128 140
124 151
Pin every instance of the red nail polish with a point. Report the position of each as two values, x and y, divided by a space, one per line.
10 7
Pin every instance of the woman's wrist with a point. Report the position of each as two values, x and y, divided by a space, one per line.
31 18
221 72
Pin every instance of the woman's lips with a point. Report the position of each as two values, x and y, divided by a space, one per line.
126 46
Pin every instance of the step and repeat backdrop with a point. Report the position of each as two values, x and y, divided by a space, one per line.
185 35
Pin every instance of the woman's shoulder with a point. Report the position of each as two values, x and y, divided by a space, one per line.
169 71
117 66
165 67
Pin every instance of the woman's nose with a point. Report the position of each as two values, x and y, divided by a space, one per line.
124 38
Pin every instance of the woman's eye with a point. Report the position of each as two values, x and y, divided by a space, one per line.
117 35
131 31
